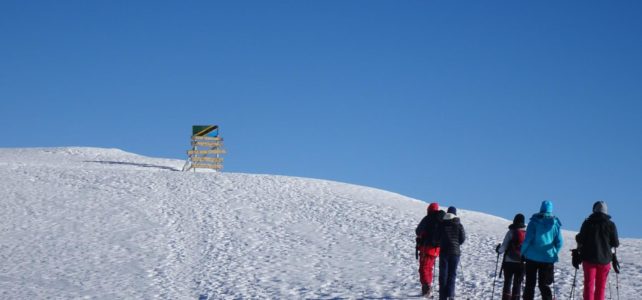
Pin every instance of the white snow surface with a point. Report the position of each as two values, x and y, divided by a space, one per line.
92 223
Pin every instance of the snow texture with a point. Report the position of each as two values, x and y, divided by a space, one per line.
89 223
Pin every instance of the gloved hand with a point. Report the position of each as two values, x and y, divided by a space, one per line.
576 258
497 248
616 264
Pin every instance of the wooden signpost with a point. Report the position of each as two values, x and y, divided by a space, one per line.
206 150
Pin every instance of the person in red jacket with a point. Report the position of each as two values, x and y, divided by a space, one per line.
598 235
428 246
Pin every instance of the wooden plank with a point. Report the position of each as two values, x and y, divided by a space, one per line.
204 152
210 159
204 166
207 144
206 138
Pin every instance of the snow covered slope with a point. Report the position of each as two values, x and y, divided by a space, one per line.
106 224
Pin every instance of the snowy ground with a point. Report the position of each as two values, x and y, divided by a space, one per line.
106 224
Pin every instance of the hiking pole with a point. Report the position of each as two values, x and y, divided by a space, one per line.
573 286
617 286
610 291
494 278
501 270
616 268
434 263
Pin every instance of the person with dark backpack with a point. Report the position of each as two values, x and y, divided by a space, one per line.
427 247
597 236
512 262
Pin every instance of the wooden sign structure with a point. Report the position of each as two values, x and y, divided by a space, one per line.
207 148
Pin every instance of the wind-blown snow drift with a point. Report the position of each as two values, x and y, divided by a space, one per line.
106 224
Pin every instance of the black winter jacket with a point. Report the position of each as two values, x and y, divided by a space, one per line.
451 235
597 235
427 229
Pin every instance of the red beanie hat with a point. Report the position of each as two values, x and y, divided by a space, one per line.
433 207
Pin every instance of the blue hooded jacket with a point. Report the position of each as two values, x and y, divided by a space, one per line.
543 236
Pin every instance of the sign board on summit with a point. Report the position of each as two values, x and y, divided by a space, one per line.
206 148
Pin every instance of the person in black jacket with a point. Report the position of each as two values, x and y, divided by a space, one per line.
451 236
597 236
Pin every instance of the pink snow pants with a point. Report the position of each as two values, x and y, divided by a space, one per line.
595 276
426 264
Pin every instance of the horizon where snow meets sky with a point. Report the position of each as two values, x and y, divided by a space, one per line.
492 107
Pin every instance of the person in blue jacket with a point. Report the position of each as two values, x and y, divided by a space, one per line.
541 245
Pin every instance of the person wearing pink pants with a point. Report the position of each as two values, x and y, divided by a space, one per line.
597 237
427 248
595 276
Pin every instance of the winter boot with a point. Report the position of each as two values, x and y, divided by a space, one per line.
425 289
507 296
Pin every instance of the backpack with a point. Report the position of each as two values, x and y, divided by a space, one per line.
434 237
428 234
514 249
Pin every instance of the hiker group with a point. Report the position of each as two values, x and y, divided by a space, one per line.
528 252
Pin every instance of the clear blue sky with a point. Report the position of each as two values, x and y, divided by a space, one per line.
491 106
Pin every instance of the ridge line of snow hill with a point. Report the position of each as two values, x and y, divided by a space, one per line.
107 224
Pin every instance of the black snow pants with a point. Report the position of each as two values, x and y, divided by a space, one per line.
513 276
541 274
